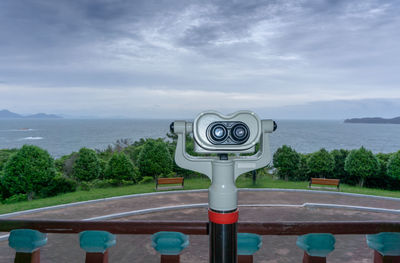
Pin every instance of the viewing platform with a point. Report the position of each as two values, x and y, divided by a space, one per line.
278 216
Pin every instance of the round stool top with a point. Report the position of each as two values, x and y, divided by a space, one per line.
317 244
386 243
26 240
248 243
96 241
169 243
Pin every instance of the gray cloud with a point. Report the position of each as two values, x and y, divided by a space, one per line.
307 50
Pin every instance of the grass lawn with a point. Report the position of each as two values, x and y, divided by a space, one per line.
193 183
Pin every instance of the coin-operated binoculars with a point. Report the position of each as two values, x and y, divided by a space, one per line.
215 133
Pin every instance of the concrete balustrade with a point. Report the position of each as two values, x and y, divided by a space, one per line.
316 247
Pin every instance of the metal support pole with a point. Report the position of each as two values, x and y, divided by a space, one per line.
223 242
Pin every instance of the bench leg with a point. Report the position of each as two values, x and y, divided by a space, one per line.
97 257
33 257
245 258
310 259
378 258
170 258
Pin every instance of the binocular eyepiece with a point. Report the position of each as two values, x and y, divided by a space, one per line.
228 132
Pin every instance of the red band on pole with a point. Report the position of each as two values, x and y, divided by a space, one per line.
224 219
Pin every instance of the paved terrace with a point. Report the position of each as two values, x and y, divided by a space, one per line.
265 205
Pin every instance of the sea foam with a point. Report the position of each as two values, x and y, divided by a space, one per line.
31 138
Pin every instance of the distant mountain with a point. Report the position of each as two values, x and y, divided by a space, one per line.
6 114
43 116
374 120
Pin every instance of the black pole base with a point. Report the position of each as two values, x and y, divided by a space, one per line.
223 242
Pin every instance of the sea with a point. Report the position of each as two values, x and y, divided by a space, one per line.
64 136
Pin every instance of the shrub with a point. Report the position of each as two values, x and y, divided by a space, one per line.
287 161
85 186
154 159
86 166
120 168
393 167
59 185
28 171
97 183
321 164
15 199
361 164
147 179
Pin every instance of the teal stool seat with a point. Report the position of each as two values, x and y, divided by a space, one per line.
96 241
169 243
248 244
26 240
317 245
386 243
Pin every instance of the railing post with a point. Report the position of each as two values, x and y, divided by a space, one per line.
96 245
386 246
27 243
169 245
248 244
316 247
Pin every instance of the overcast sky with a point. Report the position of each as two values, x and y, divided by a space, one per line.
172 59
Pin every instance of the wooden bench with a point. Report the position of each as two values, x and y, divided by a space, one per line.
164 181
323 181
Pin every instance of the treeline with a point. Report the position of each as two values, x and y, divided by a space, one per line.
31 172
356 167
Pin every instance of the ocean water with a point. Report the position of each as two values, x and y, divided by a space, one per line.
63 136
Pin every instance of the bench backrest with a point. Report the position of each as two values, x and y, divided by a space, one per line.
176 180
324 181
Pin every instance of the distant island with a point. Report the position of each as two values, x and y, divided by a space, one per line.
395 120
6 114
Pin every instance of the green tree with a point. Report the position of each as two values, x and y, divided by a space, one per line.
4 155
381 178
339 157
303 172
287 162
155 159
393 167
321 164
120 168
361 164
29 171
65 164
60 184
87 165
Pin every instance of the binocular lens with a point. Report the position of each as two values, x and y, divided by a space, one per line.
218 132
240 133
